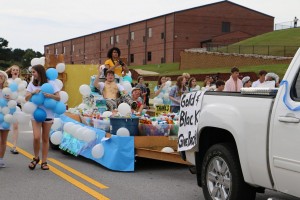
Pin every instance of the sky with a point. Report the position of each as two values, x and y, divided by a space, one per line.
35 23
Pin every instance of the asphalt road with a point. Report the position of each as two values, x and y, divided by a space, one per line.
72 177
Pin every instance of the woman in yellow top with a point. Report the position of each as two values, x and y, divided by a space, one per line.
115 63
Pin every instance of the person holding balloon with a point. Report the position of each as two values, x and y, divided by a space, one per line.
39 90
13 73
4 128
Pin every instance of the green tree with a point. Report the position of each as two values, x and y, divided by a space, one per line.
17 55
5 53
28 56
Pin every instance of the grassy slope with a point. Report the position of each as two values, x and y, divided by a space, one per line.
287 37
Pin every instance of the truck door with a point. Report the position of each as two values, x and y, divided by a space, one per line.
284 154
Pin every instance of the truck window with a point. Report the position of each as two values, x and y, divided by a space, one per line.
295 89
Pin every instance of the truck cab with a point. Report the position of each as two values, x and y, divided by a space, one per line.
249 141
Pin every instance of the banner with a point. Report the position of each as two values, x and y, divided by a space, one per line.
190 107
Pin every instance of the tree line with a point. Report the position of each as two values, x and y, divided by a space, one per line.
9 56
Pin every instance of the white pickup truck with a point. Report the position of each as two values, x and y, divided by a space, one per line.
248 141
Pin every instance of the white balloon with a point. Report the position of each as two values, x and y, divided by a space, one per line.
79 132
21 87
56 137
167 150
29 107
18 80
14 95
42 60
168 83
5 110
8 118
57 123
106 114
123 132
67 127
21 99
12 104
35 61
98 151
6 91
89 135
59 84
124 109
24 83
74 129
129 73
127 86
60 67
21 117
63 96
85 90
83 106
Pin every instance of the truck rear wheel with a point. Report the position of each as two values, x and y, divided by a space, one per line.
221 175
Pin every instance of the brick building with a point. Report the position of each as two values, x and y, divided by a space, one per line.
161 39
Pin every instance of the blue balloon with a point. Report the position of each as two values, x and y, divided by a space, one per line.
51 74
39 115
38 98
60 108
13 86
47 88
127 78
3 102
12 110
5 125
50 103
1 117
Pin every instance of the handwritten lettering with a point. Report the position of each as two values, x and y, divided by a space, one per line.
185 142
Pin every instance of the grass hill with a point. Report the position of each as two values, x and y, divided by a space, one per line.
273 41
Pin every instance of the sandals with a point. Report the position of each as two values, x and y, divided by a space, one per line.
44 166
33 163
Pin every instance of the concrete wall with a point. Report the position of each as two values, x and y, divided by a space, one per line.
191 60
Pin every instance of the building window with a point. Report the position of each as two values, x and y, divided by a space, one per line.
56 52
111 40
225 27
73 48
162 60
132 58
132 35
64 50
47 51
149 32
149 56
117 39
162 36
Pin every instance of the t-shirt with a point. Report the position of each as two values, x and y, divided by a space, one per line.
117 70
32 88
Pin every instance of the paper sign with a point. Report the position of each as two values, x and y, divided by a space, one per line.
162 109
190 107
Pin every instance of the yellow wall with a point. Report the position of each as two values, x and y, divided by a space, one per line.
76 76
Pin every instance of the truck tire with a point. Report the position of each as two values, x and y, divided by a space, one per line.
221 175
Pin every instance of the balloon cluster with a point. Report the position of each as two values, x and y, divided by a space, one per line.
163 97
7 110
16 90
58 107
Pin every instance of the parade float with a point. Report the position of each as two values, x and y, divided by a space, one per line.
112 139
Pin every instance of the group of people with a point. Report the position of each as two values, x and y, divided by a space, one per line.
41 130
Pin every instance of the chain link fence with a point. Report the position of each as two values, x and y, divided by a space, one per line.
269 50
